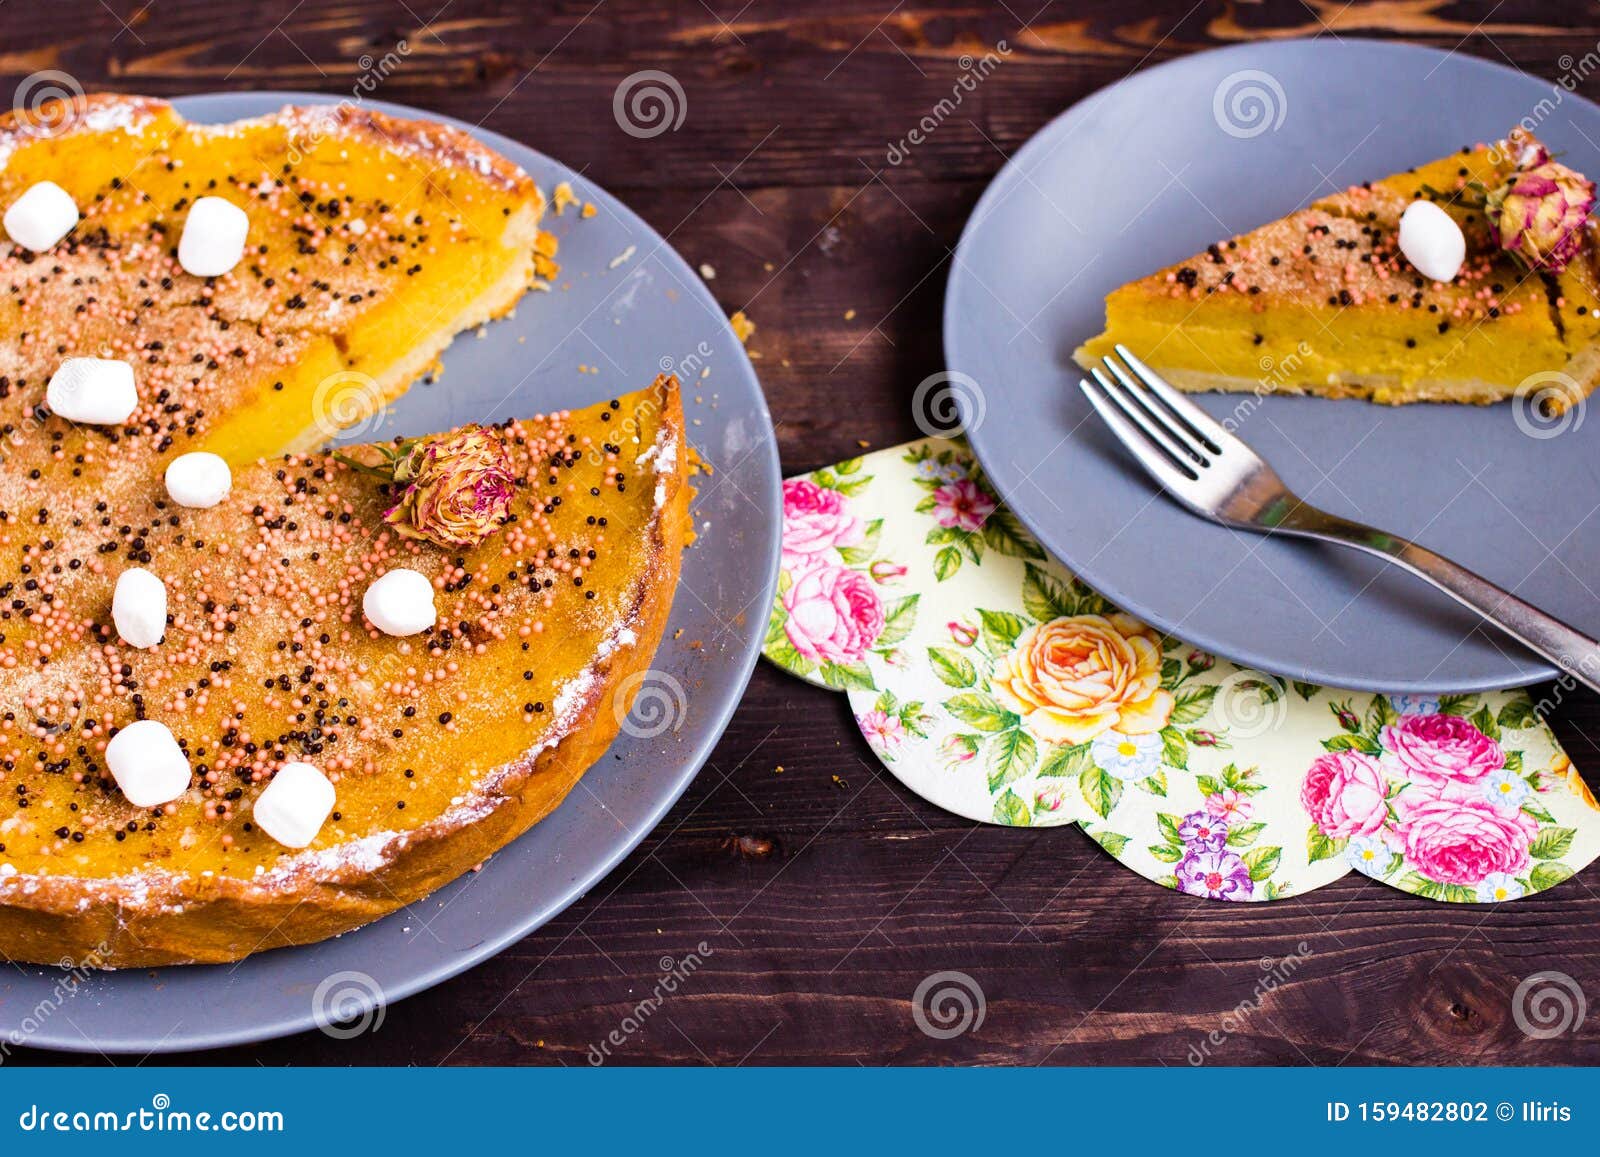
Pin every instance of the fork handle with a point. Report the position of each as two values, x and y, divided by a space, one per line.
1575 653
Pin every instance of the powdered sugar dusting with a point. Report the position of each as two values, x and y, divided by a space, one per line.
663 455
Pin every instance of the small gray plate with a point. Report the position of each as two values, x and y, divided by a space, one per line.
650 313
1155 168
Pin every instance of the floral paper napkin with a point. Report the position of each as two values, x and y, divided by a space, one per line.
993 683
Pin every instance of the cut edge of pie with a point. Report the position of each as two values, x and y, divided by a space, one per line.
393 362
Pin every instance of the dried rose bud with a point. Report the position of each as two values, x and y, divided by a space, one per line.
1540 214
457 490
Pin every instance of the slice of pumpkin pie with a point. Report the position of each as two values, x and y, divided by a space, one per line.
1458 281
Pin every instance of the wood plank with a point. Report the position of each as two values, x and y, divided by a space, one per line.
823 905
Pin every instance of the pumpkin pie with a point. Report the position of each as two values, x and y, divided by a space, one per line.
337 755
1325 302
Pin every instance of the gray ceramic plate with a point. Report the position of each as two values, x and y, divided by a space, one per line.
1157 167
650 313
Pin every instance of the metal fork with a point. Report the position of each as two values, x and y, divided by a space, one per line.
1214 474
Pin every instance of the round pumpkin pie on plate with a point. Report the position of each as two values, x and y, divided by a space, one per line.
253 696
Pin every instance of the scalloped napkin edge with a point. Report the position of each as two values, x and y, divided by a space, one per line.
994 684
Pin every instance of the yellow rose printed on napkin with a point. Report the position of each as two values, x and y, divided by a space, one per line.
994 684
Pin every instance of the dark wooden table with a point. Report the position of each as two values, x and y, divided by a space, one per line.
824 902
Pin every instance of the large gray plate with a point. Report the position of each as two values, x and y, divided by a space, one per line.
630 322
1143 174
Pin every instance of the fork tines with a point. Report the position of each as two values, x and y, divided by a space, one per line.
1166 431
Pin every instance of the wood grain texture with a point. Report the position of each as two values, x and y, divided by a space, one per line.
825 893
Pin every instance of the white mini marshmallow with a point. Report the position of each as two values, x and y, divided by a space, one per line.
198 480
139 607
213 237
294 805
97 391
400 602
41 217
148 764
1432 241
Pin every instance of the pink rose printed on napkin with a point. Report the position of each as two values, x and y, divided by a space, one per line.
1344 794
1455 836
962 504
835 616
969 519
1438 749
891 725
884 732
831 612
1432 802
816 520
